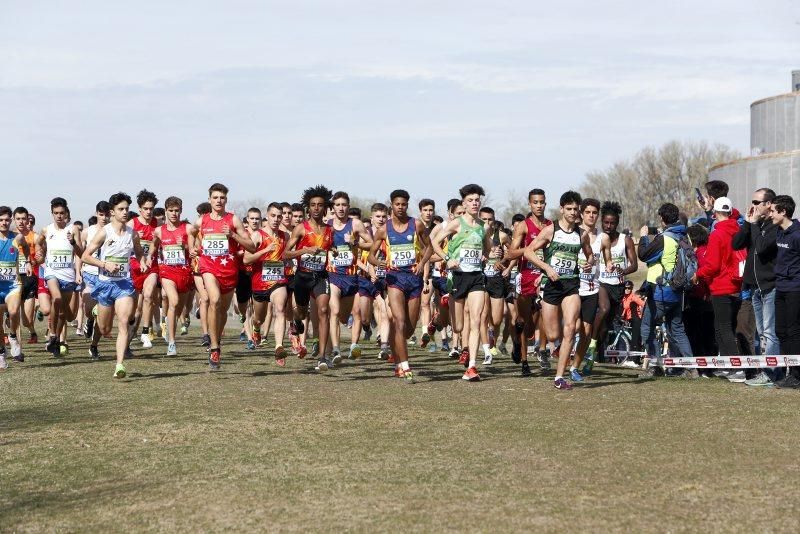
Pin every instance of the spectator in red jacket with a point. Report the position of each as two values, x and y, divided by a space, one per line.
720 271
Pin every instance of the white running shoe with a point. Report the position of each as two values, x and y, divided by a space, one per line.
172 350
487 360
630 363
3 362
16 348
147 343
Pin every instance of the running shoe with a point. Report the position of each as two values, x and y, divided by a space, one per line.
487 360
3 362
408 374
172 350
16 348
251 345
544 359
367 333
384 354
214 359
589 363
560 383
355 351
33 339
206 341
788 382
151 335
629 363
119 371
464 358
94 353
322 365
39 316
280 356
445 345
302 352
51 345
426 338
575 376
471 374
128 354
455 353
256 338
737 377
494 351
147 343
315 346
760 380
391 359
503 350
184 330
399 373
526 369
413 341
242 337
336 358
432 348
63 349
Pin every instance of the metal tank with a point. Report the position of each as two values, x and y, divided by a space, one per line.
775 150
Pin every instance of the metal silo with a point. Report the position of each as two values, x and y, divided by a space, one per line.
774 147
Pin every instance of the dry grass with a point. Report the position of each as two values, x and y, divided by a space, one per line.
259 447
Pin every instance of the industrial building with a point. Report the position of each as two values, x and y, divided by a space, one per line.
774 160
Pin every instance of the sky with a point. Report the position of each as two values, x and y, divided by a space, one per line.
271 97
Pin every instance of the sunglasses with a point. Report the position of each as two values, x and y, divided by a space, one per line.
757 202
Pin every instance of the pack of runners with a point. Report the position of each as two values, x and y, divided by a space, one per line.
549 286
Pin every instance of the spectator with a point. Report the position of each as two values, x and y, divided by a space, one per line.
714 189
721 272
662 301
632 311
787 284
698 314
757 235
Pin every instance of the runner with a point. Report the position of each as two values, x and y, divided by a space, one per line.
244 286
310 243
221 234
90 274
269 279
201 295
589 283
529 277
174 270
409 249
497 289
469 243
427 209
145 282
10 284
562 243
60 240
442 283
114 291
29 281
349 235
372 284
619 260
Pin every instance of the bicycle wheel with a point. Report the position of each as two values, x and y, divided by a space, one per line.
623 345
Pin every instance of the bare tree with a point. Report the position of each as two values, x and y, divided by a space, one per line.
515 202
240 207
655 176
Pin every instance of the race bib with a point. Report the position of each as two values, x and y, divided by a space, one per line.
313 262
173 255
147 246
584 275
124 268
272 271
469 258
343 257
529 264
22 263
403 255
215 245
618 262
8 271
59 259
491 268
563 263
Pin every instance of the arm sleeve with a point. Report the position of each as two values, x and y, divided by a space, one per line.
743 237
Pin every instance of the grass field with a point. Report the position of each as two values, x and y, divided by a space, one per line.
258 447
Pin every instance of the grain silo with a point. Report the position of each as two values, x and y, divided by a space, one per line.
774 160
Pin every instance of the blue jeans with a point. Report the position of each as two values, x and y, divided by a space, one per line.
764 310
673 313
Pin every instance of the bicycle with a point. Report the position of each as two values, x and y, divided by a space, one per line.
620 338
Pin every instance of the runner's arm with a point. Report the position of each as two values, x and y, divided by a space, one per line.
377 238
436 241
540 242
630 252
92 247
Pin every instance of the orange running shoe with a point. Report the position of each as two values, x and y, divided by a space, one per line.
302 351
471 374
464 358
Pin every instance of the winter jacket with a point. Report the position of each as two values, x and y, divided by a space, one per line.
759 240
787 262
659 255
721 268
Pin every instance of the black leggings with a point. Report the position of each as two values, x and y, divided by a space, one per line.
787 321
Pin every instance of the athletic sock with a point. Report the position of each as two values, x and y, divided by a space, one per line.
404 366
485 349
592 343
